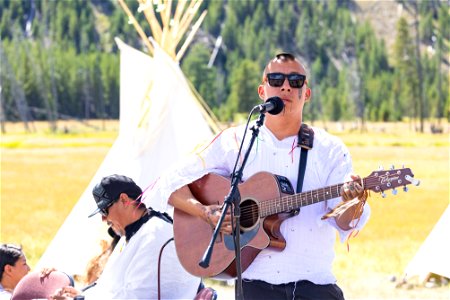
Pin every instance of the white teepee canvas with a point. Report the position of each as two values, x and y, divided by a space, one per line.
434 254
161 122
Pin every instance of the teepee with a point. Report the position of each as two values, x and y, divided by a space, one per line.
161 121
433 255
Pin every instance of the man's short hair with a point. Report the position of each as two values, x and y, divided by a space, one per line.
109 189
282 56
9 255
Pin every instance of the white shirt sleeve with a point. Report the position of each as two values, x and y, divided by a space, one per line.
205 160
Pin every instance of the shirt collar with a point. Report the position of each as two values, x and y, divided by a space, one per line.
131 229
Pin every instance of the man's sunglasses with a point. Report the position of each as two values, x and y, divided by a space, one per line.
296 81
105 211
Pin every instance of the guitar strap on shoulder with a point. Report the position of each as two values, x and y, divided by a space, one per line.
305 141
162 215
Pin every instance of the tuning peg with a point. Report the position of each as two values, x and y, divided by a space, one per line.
394 192
383 195
392 167
414 181
405 189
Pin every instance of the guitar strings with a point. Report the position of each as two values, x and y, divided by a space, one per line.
302 199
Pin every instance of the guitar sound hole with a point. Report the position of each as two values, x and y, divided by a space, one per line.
249 214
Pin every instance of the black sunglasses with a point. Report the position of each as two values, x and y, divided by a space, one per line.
105 211
296 81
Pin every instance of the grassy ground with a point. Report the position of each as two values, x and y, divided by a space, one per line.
398 224
43 175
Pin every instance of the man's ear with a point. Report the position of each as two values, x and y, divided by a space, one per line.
7 269
261 92
126 200
123 197
308 94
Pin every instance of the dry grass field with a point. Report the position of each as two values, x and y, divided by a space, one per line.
43 175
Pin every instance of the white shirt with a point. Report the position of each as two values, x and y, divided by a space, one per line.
4 294
132 270
309 249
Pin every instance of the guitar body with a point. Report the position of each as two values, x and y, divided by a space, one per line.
193 234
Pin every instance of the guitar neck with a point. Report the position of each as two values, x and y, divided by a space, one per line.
291 202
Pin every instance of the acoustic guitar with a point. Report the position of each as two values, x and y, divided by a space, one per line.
265 204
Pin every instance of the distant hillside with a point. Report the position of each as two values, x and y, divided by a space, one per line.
382 15
61 59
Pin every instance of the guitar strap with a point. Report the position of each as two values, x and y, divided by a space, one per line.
305 141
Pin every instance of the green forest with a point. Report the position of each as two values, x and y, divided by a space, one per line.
59 59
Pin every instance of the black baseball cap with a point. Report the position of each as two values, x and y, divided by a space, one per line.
109 189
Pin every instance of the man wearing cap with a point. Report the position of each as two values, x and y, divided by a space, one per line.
132 269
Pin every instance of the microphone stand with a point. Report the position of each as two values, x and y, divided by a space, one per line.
234 198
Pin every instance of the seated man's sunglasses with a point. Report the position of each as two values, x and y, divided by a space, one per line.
105 211
277 79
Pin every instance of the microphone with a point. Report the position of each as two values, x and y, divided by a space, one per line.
273 105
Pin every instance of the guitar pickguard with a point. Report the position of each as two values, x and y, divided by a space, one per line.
245 238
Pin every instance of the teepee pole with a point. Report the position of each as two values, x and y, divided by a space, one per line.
179 12
149 14
175 23
190 36
137 27
186 19
165 16
165 19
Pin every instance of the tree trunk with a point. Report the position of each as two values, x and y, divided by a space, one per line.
421 91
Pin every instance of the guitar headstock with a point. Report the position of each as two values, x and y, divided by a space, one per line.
382 180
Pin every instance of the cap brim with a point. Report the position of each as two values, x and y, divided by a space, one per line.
95 212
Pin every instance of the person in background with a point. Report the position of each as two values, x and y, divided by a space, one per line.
132 271
303 270
13 267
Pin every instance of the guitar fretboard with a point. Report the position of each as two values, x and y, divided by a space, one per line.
291 202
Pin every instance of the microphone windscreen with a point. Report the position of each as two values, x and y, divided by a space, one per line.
278 105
